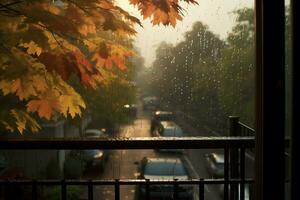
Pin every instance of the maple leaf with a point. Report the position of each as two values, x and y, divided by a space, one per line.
66 101
32 48
7 126
22 89
44 107
109 53
20 120
167 12
45 44
40 83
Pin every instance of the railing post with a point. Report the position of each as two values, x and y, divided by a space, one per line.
234 126
63 190
226 172
147 189
201 189
176 190
233 156
7 189
117 189
90 190
34 190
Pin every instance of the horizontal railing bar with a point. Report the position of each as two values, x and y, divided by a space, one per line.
130 143
122 182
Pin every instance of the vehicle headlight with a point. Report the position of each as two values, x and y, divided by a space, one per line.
98 155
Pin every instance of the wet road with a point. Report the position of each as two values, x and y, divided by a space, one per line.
123 164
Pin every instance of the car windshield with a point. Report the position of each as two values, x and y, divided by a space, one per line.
165 169
164 116
173 132
94 133
218 158
92 152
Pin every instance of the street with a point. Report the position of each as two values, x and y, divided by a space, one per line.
123 164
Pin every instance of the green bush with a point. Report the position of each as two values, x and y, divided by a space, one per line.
54 193
73 168
53 170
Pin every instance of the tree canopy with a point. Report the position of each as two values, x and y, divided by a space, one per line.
207 77
45 42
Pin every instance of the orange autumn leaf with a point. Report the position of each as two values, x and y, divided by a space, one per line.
166 12
44 107
46 43
22 89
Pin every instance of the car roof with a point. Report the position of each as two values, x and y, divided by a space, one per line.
159 112
170 126
94 131
150 98
219 158
165 160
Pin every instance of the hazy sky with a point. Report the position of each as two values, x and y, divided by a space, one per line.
217 14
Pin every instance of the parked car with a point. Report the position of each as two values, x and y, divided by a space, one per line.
159 116
150 103
168 129
92 157
95 133
215 164
131 110
165 169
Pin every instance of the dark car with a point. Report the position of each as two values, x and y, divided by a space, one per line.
150 103
131 110
165 169
215 164
92 157
159 116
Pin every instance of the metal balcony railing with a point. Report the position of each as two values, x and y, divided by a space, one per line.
225 143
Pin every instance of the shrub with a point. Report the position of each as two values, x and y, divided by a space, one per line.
53 170
73 168
54 193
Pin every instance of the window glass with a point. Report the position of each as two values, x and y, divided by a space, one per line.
165 169
203 69
200 67
288 90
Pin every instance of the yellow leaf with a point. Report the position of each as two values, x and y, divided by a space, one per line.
5 87
32 48
66 102
39 83
23 89
7 126
20 121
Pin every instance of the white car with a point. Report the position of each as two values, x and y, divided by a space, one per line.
215 164
94 133
169 168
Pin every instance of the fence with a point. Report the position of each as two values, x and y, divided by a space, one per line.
232 179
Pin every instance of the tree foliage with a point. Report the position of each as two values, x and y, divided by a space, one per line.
207 77
45 42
